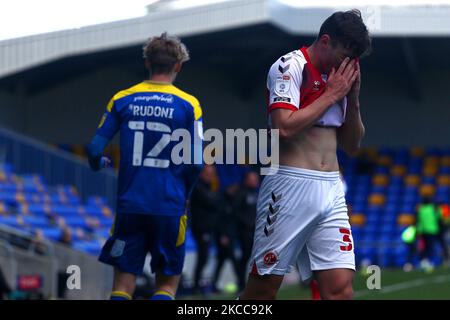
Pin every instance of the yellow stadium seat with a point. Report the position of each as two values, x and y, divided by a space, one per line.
384 161
431 160
24 209
357 219
445 161
430 170
107 211
427 190
377 199
2 208
417 152
20 197
412 180
406 219
398 170
372 152
380 180
443 180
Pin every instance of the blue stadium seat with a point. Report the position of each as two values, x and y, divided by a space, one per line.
97 200
10 221
64 210
382 170
367 252
37 208
91 247
76 221
9 197
94 210
51 233
36 221
385 256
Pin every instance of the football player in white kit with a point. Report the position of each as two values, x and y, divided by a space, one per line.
302 215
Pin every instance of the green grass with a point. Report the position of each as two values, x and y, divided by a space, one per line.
395 285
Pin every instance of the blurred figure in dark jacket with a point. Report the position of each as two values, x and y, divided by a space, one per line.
5 289
205 210
244 209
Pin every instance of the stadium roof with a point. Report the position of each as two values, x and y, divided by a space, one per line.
27 52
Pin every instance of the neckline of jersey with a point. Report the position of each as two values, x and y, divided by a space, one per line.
308 60
158 83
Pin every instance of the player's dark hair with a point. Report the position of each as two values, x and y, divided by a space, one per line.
348 29
163 52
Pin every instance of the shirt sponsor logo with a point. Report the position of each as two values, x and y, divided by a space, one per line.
168 98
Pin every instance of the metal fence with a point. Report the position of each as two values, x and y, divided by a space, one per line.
28 155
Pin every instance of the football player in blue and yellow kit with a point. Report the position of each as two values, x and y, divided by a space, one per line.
153 189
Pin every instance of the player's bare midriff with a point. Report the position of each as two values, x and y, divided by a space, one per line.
313 149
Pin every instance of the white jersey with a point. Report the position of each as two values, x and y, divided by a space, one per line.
293 83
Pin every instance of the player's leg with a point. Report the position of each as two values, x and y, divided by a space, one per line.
335 284
263 287
166 243
123 286
330 249
285 219
165 286
125 250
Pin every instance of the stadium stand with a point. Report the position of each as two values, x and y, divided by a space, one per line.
383 197
29 204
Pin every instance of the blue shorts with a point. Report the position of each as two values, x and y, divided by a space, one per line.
135 235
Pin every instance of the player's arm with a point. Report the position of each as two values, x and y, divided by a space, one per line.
350 134
106 130
292 121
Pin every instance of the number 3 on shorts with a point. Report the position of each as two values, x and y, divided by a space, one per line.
346 238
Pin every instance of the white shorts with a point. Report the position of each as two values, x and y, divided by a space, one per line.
301 220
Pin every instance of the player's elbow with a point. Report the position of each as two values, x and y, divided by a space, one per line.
94 157
285 133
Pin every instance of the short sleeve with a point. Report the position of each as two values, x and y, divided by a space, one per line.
110 122
283 84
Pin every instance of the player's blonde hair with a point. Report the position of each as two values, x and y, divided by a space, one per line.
163 52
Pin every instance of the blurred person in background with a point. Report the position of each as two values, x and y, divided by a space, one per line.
244 209
66 237
225 240
427 224
205 205
444 222
5 289
38 243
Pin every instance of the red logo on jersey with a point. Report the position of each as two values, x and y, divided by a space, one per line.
286 77
270 258
346 238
